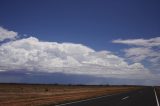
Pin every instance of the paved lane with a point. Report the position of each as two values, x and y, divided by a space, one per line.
143 97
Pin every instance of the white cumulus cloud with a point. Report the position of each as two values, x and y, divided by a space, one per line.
6 34
140 42
146 50
138 53
31 54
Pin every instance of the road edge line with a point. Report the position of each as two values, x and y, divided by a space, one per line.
84 100
156 97
88 99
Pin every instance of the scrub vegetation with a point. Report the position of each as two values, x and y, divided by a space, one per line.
46 94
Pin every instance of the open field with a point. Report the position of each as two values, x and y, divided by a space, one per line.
34 94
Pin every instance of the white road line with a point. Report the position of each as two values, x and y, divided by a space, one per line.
156 97
125 98
87 99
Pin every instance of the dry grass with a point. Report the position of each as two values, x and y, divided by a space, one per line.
34 95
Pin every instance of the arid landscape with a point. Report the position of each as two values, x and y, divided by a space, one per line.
79 52
37 94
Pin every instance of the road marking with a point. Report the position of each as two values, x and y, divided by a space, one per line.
87 99
156 97
125 98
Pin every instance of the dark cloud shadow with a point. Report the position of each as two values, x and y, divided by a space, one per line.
61 78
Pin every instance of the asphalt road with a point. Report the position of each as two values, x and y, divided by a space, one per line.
143 97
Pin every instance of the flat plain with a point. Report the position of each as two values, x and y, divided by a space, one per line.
46 94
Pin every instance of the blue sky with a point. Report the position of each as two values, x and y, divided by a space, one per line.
91 22
102 25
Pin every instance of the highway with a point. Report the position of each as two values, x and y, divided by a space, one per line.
143 97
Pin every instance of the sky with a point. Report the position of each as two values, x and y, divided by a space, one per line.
80 41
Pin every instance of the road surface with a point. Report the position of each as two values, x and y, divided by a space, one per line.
143 97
